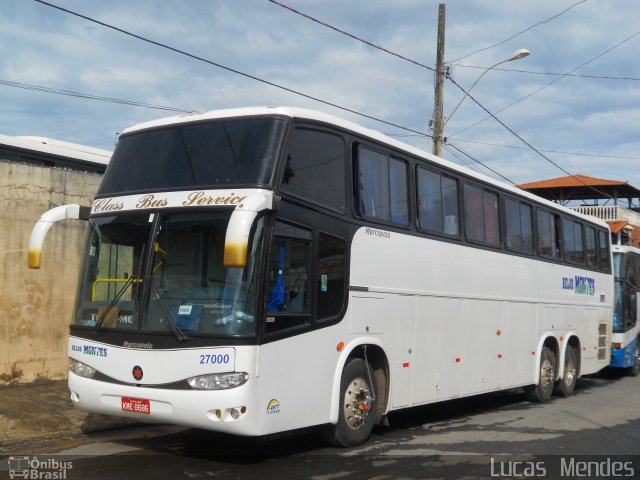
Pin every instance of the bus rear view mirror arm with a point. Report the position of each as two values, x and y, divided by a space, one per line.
237 238
44 223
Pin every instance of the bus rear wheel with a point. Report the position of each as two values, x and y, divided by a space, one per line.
356 415
544 389
567 384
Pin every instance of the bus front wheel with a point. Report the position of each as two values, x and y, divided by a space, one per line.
544 389
356 415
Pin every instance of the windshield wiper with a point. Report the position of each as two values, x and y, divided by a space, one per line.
113 302
180 336
120 292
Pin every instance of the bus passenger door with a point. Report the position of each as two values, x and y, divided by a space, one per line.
400 315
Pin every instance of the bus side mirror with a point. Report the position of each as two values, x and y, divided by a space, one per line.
236 241
45 222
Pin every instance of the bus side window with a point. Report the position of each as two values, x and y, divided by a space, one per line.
572 240
603 247
518 223
287 293
631 286
592 252
331 281
437 203
381 189
481 215
312 155
548 239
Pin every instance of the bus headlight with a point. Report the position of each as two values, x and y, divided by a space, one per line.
81 369
218 381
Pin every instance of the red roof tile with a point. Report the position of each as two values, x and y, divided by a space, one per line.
617 225
572 181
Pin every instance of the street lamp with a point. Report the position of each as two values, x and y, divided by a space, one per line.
517 55
439 125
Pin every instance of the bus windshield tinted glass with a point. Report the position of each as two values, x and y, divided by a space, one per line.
111 282
186 288
230 152
189 283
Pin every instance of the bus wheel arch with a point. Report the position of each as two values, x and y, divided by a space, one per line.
363 387
547 372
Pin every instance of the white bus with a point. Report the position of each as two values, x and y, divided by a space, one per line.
625 346
259 270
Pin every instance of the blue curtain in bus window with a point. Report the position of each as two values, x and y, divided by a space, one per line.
429 201
527 228
276 298
603 248
374 184
450 206
568 239
592 252
398 192
547 239
474 216
513 224
491 225
578 250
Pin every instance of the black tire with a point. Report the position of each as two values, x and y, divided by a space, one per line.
567 384
358 405
543 391
635 369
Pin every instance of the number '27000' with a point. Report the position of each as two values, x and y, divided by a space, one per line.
214 359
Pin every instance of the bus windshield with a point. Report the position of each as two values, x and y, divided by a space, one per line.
626 269
230 152
169 266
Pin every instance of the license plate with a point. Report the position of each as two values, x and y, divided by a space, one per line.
136 405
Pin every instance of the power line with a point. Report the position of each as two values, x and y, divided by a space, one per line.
479 162
520 33
253 77
70 93
351 35
551 82
309 17
513 70
456 155
229 69
531 146
515 147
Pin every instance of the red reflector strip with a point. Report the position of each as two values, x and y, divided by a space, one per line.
499 355
457 360
405 365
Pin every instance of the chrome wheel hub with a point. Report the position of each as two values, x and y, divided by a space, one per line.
547 375
357 403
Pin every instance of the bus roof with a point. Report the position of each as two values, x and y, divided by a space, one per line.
625 249
49 146
314 115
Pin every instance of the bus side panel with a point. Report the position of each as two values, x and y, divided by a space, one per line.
435 373
295 377
521 342
399 322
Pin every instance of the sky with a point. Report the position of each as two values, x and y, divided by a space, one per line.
571 106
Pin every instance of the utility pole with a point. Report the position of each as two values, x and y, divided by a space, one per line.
438 106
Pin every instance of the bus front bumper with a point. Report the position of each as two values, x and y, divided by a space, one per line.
232 411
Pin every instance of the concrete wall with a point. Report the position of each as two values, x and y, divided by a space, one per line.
36 305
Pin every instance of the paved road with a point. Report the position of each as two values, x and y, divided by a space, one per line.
594 434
